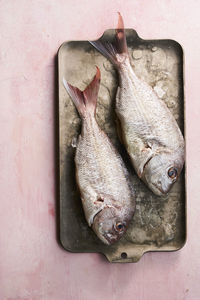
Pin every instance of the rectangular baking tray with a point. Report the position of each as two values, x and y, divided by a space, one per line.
159 223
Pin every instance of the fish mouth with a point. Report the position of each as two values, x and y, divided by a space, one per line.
112 239
105 240
158 190
102 237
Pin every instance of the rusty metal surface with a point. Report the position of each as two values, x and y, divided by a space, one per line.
159 222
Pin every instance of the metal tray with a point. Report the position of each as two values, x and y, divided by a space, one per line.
159 223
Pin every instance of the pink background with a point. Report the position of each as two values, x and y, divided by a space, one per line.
32 264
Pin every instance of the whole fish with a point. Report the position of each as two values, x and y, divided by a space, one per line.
149 131
106 193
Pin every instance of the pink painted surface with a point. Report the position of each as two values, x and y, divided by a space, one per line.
32 265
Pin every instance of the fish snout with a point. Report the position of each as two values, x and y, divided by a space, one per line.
111 239
166 186
165 189
162 188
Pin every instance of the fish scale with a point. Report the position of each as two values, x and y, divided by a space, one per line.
104 172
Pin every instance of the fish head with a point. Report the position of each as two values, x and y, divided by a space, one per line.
161 172
109 225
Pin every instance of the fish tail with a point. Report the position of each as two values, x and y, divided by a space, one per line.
119 46
121 36
85 101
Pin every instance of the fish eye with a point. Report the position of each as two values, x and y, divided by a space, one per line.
119 226
172 173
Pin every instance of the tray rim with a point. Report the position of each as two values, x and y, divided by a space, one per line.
159 249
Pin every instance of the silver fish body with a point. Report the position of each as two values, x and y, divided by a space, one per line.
149 131
103 181
107 195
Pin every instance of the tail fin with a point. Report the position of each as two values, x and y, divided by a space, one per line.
85 101
120 36
109 50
